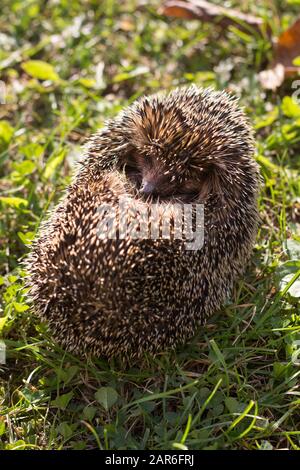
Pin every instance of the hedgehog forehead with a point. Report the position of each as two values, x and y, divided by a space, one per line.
156 124
187 129
159 131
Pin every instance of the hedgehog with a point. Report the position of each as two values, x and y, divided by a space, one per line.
105 292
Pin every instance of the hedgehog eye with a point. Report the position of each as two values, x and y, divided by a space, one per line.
128 166
132 173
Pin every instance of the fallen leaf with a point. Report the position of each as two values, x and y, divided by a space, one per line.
208 12
286 50
288 46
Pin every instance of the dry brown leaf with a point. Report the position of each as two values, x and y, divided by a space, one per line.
180 9
288 45
287 48
206 11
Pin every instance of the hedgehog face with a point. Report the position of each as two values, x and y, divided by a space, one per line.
152 178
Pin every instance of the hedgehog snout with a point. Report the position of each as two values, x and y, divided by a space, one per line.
155 185
147 187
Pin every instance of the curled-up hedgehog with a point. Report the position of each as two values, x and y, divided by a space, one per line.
108 293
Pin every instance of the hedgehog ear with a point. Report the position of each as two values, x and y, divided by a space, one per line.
129 157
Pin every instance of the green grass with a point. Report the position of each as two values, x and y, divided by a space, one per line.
236 384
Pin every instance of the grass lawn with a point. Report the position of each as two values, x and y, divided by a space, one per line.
236 384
